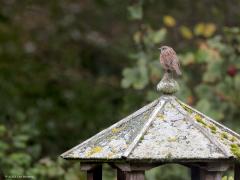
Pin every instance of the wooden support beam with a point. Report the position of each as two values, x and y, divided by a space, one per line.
213 171
136 166
211 175
195 173
208 171
94 171
217 166
132 171
237 171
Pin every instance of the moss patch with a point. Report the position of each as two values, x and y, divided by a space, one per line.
145 116
185 107
172 139
160 116
214 132
224 135
94 150
199 119
212 128
235 149
116 130
233 139
169 156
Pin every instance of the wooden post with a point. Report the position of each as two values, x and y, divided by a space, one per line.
120 174
135 175
94 171
237 171
195 173
2 177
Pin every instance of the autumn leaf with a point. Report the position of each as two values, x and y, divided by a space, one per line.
169 21
186 32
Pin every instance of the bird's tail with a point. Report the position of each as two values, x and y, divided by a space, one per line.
178 71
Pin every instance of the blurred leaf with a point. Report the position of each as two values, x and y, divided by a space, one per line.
137 37
199 29
210 28
17 171
152 95
2 129
202 56
20 141
204 90
129 76
186 32
3 146
137 77
71 176
205 29
216 43
159 36
210 77
20 115
20 159
187 59
169 21
237 82
212 74
155 71
135 11
205 106
55 171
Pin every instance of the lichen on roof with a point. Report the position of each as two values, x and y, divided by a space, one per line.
164 128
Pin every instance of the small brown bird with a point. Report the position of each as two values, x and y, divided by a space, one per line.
169 60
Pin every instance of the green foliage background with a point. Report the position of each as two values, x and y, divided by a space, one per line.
69 69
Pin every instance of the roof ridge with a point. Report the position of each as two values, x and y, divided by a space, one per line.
206 133
123 120
159 106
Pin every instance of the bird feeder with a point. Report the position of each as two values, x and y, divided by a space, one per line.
165 131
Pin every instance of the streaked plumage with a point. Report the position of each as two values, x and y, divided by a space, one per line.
169 60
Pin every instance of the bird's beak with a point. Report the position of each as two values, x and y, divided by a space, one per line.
160 49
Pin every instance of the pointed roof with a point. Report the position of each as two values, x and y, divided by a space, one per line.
164 130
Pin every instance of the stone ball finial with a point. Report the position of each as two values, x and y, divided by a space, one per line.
168 85
170 63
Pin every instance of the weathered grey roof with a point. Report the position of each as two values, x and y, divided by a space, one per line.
164 130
